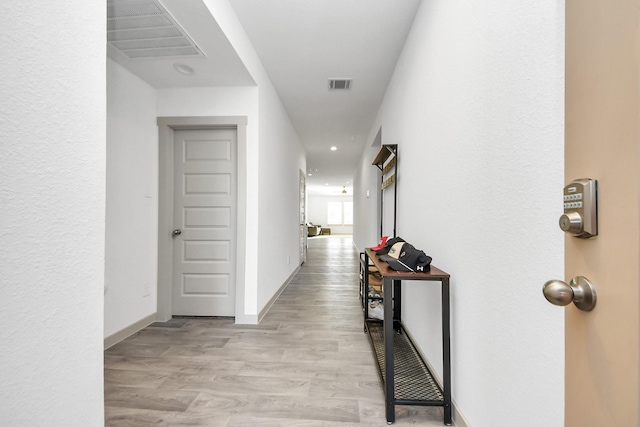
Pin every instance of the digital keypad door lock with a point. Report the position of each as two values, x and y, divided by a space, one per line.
580 217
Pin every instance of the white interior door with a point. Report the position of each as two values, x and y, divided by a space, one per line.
303 221
204 222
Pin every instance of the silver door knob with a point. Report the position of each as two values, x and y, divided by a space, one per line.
579 290
176 232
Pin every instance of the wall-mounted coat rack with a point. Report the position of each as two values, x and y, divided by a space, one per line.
387 161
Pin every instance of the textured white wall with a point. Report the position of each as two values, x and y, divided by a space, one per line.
281 159
476 106
131 261
228 21
273 183
52 197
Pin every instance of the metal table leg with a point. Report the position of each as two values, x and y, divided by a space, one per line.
446 352
388 352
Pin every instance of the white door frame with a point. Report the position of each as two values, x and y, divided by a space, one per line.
166 126
302 191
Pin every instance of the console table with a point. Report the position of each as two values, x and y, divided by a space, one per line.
406 378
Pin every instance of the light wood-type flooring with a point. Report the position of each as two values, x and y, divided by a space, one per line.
308 362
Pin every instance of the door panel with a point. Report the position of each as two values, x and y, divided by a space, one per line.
602 140
303 216
204 211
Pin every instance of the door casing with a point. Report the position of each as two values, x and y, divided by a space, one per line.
166 127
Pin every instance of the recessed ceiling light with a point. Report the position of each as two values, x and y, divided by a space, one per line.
310 174
334 148
183 68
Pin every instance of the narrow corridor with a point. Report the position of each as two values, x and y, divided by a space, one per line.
308 363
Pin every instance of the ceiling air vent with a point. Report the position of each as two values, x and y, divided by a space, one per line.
339 84
144 29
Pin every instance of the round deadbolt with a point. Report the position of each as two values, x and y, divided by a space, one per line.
571 222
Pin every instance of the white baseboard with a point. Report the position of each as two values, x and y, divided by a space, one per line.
246 319
458 419
116 337
275 296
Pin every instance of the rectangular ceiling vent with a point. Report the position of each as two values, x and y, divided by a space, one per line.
144 29
339 84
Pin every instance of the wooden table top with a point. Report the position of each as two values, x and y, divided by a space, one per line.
386 271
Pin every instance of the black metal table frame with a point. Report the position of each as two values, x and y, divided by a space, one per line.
394 305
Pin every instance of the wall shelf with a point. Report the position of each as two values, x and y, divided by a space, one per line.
413 381
383 154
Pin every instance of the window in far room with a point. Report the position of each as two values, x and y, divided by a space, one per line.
347 209
340 213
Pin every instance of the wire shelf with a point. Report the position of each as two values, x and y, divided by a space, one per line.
412 379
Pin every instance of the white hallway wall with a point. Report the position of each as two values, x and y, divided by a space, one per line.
132 169
132 200
366 184
274 156
132 181
273 184
281 160
476 107
52 196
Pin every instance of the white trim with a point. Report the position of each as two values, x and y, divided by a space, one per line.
166 126
273 299
116 337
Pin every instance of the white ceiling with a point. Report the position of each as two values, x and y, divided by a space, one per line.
302 44
220 65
